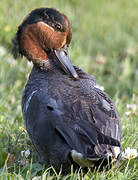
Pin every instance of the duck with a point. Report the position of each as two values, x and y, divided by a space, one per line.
69 119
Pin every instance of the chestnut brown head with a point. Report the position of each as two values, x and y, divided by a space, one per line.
45 32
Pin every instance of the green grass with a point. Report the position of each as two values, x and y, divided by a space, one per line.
102 29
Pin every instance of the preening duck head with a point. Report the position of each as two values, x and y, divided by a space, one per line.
45 34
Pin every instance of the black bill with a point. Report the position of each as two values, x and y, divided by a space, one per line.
62 56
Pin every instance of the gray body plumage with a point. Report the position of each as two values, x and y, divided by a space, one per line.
64 116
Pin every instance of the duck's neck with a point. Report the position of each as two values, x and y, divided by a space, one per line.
46 66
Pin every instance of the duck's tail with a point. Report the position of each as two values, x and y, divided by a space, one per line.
89 148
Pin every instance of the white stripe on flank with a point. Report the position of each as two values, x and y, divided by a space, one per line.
29 99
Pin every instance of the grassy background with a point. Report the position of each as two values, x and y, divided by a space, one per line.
105 44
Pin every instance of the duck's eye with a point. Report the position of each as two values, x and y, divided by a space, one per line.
58 27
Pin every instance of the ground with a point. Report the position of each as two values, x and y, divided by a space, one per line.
105 44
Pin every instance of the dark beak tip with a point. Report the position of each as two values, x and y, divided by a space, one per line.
75 76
